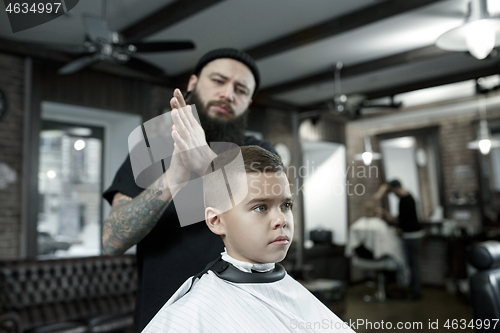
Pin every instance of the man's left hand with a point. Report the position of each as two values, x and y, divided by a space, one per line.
189 137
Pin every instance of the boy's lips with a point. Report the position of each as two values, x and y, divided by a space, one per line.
281 240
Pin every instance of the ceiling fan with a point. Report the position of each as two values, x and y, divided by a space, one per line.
352 105
342 104
102 44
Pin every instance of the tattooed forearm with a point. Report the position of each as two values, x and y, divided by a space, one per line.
131 220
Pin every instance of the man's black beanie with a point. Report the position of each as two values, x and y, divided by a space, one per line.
233 54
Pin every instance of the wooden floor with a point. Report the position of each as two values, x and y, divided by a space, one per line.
435 305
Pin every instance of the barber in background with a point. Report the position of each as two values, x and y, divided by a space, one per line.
222 86
411 230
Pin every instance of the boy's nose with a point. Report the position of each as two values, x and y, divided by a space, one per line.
279 221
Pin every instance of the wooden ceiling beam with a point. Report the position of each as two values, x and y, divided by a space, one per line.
165 17
275 104
403 58
435 82
26 49
38 51
336 26
330 28
422 84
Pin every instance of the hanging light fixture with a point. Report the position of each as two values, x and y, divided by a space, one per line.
368 156
484 142
478 34
339 99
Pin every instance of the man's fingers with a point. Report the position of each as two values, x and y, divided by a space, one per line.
192 120
181 144
194 137
194 127
180 98
173 103
178 122
178 102
183 114
188 128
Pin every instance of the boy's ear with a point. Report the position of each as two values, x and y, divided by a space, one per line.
214 222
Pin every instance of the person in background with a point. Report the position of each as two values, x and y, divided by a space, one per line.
411 229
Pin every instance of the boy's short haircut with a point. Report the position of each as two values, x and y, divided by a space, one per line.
255 159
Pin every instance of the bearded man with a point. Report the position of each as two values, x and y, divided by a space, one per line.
222 86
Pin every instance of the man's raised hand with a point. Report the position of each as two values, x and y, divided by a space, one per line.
189 137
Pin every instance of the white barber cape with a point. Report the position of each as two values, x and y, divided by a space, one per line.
215 305
378 237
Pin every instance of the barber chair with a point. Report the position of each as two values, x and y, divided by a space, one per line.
485 285
379 266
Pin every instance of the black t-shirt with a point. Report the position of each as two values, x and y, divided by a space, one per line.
408 220
169 254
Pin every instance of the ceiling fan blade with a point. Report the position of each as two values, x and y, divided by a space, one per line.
67 48
78 64
164 46
96 29
144 67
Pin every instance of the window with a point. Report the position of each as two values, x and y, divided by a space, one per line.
70 187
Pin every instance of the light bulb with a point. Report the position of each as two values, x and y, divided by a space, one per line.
480 38
367 157
79 144
485 146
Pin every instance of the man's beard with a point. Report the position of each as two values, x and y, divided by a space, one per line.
219 130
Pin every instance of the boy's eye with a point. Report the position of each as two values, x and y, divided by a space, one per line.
287 206
217 81
260 208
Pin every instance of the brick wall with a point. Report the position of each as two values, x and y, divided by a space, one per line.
11 143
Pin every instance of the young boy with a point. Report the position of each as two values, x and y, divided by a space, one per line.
245 290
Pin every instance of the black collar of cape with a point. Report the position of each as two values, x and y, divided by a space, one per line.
228 272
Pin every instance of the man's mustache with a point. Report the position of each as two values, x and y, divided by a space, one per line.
226 104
